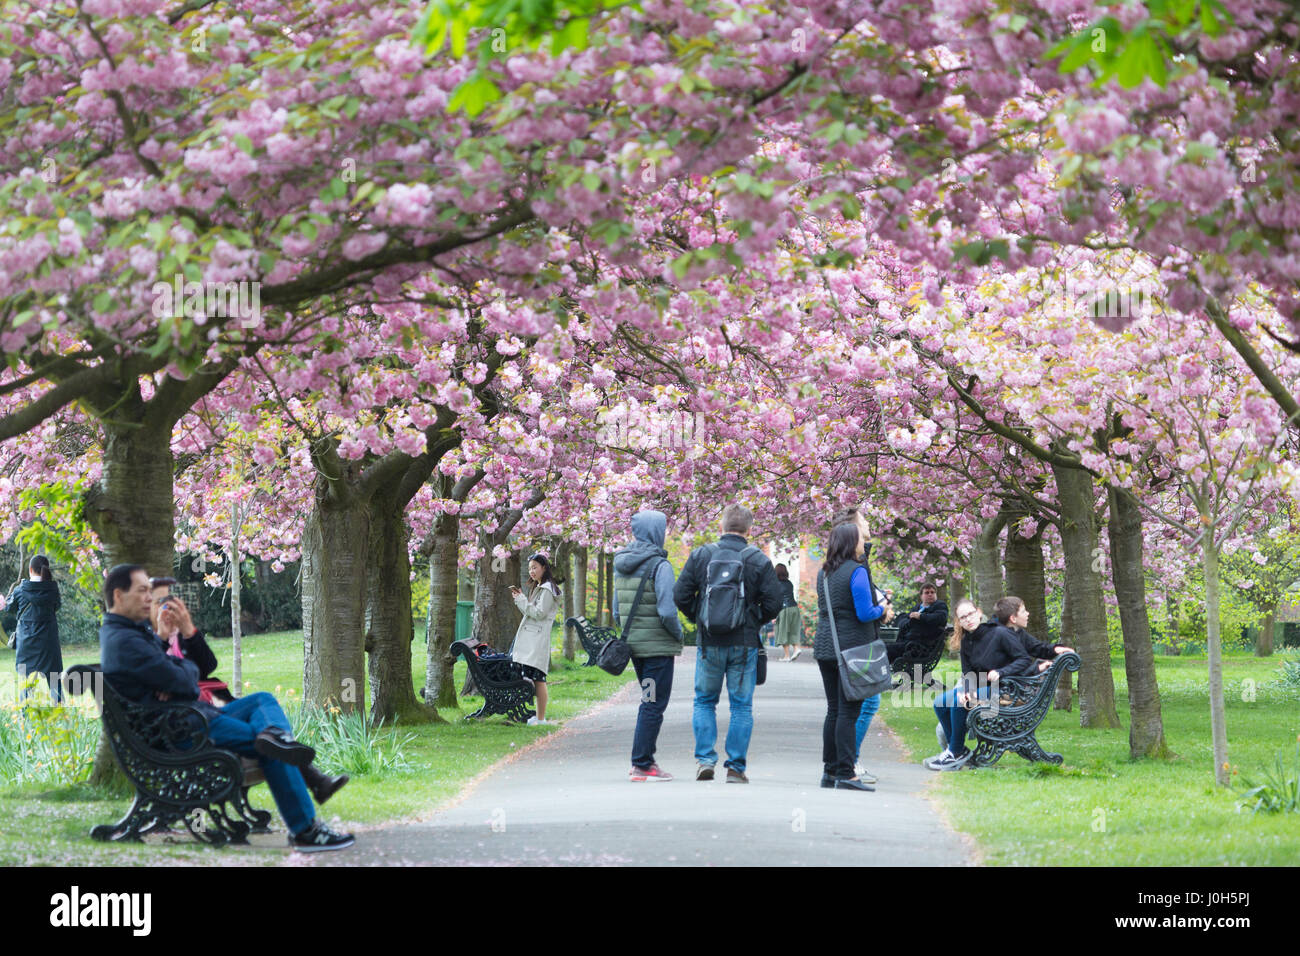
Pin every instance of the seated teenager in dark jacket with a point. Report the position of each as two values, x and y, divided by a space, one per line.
136 665
989 651
172 623
923 625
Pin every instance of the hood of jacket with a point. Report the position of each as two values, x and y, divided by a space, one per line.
40 593
649 529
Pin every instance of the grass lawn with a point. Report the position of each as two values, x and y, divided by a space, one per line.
49 824
1100 807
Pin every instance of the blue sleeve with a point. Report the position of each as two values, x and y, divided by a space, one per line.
664 603
614 609
864 601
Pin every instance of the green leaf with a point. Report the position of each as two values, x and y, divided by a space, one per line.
244 143
591 182
103 302
474 94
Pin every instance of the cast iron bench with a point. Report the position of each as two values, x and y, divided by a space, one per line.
914 655
593 637
178 775
1022 704
501 682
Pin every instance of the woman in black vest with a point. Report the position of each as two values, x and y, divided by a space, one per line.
853 603
36 602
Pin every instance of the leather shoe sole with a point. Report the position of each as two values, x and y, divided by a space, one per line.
274 747
329 787
854 785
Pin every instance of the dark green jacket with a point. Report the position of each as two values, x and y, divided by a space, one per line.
655 631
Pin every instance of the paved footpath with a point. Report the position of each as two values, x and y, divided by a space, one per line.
567 799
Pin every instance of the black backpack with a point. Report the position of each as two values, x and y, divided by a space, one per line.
723 604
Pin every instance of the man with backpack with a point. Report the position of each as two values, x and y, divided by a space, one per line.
728 590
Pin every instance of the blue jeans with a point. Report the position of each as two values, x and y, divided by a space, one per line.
237 726
952 717
655 675
869 707
739 665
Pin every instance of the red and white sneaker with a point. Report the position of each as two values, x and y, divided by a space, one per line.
648 775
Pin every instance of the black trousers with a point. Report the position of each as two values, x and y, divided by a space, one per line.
839 737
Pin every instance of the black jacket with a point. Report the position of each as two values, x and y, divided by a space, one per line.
762 592
995 647
136 663
36 604
926 629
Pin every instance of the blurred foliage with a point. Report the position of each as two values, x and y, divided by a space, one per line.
269 601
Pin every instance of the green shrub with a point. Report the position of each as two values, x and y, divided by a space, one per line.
1277 788
350 742
44 742
1289 673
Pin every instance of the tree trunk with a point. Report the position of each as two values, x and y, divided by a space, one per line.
1146 734
608 609
580 581
568 592
1025 577
236 608
599 616
1214 651
130 509
496 619
1064 699
439 685
335 552
1264 643
390 628
1087 608
958 590
986 564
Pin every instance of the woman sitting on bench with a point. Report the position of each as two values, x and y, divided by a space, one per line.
988 652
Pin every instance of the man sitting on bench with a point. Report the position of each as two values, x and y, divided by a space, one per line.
923 625
135 662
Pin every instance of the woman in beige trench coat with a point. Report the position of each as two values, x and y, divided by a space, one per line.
532 646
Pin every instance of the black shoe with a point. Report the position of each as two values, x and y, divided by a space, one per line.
736 776
854 784
322 785
828 782
318 837
274 744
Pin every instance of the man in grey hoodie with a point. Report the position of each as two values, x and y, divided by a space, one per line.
654 635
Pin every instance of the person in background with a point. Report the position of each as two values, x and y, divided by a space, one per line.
870 705
924 625
172 622
36 603
654 635
847 579
789 623
532 646
731 654
175 627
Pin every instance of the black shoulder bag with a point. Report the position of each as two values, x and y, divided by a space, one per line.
614 654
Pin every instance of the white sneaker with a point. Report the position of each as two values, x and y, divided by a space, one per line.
863 774
942 737
797 652
950 762
534 722
929 762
